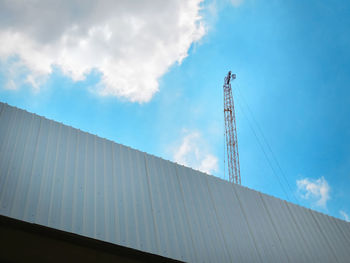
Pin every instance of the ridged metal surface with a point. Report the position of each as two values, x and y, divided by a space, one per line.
61 177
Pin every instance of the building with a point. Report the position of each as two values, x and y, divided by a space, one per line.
76 188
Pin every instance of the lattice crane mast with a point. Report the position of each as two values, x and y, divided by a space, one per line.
231 132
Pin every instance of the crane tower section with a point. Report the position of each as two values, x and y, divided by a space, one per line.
231 132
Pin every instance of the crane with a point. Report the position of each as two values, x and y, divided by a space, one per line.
231 132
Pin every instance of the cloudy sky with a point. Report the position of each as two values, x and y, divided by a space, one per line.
149 74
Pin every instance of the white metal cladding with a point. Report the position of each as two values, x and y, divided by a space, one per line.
61 177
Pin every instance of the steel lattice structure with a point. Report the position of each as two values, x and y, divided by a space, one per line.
231 132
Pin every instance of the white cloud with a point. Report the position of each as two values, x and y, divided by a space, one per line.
236 2
192 152
314 190
131 43
344 215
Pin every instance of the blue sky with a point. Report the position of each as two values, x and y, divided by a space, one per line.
157 87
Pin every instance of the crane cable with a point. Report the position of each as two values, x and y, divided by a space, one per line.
262 147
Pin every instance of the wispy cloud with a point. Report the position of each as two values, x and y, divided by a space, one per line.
192 151
316 191
131 43
236 2
345 216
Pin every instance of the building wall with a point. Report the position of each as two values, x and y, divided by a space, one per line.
63 178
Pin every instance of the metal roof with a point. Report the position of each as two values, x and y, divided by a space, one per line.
57 176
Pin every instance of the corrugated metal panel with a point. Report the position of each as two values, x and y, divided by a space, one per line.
283 223
61 177
238 238
207 237
267 239
344 228
170 216
331 234
312 236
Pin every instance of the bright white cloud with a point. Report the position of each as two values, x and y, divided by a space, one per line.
344 215
192 152
314 190
131 43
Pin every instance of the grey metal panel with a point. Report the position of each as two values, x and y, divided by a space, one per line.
207 237
313 239
169 212
24 176
100 226
344 228
35 176
89 189
8 129
234 227
2 106
136 227
61 177
68 179
259 221
11 154
47 183
59 174
333 237
286 229
79 184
